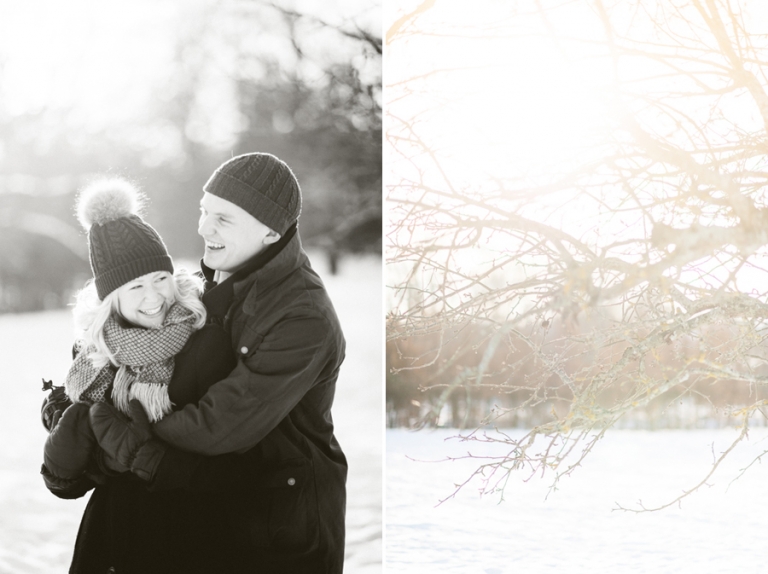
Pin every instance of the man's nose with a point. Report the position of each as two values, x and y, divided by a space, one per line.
202 228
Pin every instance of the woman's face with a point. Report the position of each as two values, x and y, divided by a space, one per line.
145 301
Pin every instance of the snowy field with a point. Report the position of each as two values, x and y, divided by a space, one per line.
37 530
720 529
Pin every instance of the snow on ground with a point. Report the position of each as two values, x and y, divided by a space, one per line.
719 529
37 530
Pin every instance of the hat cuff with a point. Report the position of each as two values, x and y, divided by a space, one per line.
245 197
119 276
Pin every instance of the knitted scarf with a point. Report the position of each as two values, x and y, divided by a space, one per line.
145 361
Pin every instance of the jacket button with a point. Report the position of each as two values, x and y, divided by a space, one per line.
244 350
291 481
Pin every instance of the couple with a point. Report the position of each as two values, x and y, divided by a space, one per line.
203 426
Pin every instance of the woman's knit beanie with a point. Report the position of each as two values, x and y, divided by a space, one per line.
122 246
262 185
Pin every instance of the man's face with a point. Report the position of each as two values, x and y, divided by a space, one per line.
232 235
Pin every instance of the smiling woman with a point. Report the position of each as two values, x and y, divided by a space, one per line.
132 291
146 300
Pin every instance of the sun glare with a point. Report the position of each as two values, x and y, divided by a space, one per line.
508 98
96 57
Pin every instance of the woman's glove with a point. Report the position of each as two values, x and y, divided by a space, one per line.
54 404
70 444
127 442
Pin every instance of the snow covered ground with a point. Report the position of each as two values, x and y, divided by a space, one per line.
719 529
37 530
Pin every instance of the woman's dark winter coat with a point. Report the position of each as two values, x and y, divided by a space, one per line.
131 529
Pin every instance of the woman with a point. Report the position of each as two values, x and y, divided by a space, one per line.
141 335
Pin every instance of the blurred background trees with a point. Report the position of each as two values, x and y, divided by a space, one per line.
164 92
583 244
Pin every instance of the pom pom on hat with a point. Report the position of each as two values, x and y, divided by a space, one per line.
106 200
121 245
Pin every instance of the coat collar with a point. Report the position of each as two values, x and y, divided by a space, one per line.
261 272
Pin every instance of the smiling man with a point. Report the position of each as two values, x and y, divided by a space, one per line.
232 236
284 502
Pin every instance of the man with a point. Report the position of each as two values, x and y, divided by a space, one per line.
262 437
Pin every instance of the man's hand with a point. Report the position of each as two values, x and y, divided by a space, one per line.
127 442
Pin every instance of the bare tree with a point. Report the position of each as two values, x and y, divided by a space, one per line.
603 285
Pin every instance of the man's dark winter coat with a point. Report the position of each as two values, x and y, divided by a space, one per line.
274 410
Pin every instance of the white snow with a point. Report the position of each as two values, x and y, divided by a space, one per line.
720 529
38 530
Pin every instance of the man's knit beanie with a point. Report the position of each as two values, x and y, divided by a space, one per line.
122 246
262 185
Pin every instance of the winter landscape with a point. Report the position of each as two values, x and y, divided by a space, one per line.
37 530
577 529
576 240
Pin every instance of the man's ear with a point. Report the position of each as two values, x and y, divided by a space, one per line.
272 237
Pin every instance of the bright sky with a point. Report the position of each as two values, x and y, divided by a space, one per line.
501 100
511 98
504 100
102 57
109 59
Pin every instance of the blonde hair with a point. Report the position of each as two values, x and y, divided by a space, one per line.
91 314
